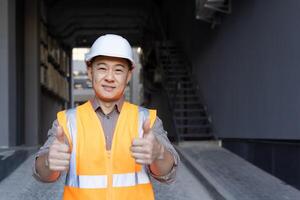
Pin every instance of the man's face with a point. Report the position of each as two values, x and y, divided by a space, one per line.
109 76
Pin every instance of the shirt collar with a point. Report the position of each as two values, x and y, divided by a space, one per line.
96 104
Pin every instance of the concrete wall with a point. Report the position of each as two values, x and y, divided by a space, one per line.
247 68
48 108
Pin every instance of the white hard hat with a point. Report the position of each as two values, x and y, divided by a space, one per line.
110 45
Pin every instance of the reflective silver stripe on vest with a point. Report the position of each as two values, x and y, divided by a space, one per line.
73 180
93 182
131 179
100 181
143 115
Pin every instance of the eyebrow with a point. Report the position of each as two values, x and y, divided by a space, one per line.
100 63
120 65
116 65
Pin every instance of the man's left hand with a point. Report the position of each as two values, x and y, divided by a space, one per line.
147 149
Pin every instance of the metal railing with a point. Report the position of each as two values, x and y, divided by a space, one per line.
170 98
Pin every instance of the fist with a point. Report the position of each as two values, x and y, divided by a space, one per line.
59 155
147 149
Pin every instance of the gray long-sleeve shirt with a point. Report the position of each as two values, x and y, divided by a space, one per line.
108 122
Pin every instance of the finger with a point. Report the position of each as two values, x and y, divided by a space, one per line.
139 149
63 148
60 135
146 126
59 168
142 156
63 156
142 162
59 156
139 142
59 163
59 148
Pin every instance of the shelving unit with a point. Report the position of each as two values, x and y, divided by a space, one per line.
54 79
54 66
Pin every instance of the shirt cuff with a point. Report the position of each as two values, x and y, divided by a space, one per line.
34 171
170 177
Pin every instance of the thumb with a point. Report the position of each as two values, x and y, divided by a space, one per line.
146 127
60 135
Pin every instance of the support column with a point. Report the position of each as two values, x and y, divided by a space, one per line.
4 74
12 67
32 83
8 72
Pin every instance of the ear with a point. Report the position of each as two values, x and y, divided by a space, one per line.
89 71
129 75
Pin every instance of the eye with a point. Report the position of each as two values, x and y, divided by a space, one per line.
119 70
100 67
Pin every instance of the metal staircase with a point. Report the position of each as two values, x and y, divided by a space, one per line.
190 117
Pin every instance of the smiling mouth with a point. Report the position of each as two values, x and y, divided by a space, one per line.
108 88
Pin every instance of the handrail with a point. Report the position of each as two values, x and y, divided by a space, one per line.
170 98
198 93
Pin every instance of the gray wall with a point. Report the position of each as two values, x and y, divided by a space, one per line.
247 68
48 108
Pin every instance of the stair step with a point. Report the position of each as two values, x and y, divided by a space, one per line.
174 68
187 102
184 89
175 71
180 122
180 102
196 135
182 79
175 86
189 110
172 63
189 84
181 94
170 59
172 54
190 117
186 95
180 91
172 87
181 98
181 126
177 75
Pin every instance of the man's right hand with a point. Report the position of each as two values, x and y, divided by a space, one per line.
59 152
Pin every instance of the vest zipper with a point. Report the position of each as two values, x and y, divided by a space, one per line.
109 167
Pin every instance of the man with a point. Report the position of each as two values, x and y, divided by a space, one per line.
107 146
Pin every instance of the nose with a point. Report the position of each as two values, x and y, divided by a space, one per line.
109 75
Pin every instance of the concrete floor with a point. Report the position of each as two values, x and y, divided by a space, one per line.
21 185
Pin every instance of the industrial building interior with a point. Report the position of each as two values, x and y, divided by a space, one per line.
220 72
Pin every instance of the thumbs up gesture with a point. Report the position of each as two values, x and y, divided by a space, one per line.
147 149
59 152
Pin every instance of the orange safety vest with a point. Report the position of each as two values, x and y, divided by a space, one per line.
96 173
